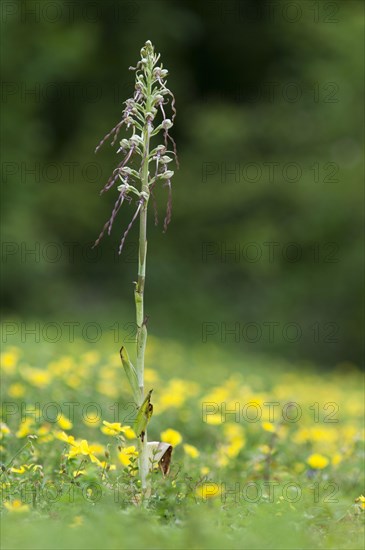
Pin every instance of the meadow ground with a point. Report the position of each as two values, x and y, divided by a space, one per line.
266 454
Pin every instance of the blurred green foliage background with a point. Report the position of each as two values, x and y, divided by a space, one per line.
269 132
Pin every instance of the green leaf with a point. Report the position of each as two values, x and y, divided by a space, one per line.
143 416
131 374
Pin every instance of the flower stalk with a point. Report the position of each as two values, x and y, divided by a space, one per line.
144 165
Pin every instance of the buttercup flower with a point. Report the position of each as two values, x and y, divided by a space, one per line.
171 436
191 451
16 390
9 360
66 438
83 448
361 501
25 428
64 423
4 429
16 506
268 427
125 456
317 461
208 490
115 428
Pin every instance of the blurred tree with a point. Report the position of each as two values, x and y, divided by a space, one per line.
272 94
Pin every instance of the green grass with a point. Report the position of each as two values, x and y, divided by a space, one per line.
200 526
269 488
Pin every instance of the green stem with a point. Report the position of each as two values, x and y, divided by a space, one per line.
139 291
14 457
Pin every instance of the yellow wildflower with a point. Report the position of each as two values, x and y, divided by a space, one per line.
43 430
150 376
268 426
361 501
128 432
20 470
73 381
44 434
234 448
9 360
62 366
38 377
217 395
4 429
208 490
171 436
222 458
336 459
92 419
25 428
16 506
90 357
25 468
191 451
214 419
115 428
265 449
317 461
348 433
316 434
66 438
108 388
299 467
16 390
236 440
97 448
233 432
82 448
78 473
77 521
111 428
64 423
127 454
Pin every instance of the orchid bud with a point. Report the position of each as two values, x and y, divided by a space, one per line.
136 140
167 124
166 175
125 144
159 149
158 97
165 159
158 72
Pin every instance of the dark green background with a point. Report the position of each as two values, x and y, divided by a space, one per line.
65 72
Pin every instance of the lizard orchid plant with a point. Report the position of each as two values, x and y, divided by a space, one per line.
144 165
